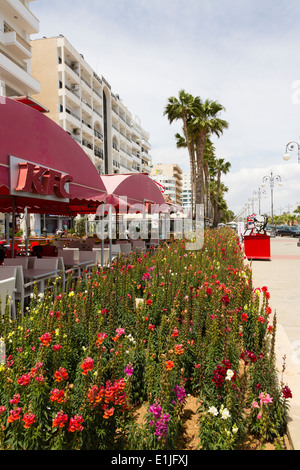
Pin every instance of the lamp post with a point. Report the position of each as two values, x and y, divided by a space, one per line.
291 146
259 193
271 180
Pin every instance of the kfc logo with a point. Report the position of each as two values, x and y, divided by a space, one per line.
41 180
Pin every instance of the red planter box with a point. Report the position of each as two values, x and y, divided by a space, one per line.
257 246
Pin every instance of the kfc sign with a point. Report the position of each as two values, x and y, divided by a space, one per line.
32 179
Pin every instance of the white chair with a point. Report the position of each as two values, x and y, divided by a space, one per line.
23 290
19 261
7 288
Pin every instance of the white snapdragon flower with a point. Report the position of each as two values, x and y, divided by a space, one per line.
224 412
229 374
213 410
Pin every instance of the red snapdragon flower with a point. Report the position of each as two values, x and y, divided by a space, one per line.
60 420
46 339
75 424
29 419
87 365
61 374
14 415
57 395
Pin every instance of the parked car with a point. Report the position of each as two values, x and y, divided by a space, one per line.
287 231
270 230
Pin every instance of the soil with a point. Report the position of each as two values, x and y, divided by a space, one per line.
188 438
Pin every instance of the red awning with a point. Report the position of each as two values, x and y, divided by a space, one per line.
131 188
31 136
31 102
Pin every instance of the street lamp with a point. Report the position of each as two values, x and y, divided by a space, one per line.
259 193
291 146
272 180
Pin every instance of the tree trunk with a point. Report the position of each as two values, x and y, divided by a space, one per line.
216 214
200 149
191 151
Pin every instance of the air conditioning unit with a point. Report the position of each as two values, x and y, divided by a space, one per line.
75 87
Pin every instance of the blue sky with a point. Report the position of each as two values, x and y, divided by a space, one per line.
244 54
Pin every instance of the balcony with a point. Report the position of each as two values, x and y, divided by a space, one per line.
98 152
16 77
98 135
22 15
73 66
87 144
16 45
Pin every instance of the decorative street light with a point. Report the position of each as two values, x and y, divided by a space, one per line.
272 180
291 146
259 193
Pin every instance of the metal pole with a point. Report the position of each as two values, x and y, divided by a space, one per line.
102 237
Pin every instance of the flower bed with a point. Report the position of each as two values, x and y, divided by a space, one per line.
149 330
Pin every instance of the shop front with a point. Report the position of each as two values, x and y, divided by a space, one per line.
43 172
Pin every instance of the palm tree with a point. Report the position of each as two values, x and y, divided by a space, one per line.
204 123
222 167
182 108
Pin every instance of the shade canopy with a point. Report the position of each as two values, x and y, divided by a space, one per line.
34 148
131 189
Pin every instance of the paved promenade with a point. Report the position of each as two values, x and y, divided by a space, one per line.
282 277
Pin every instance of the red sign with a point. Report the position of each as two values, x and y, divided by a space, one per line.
41 180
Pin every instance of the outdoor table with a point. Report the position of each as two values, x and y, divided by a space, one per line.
39 275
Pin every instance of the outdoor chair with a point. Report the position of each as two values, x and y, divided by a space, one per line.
154 242
105 256
125 248
75 251
7 287
116 250
87 261
138 245
61 268
23 290
19 261
50 264
70 262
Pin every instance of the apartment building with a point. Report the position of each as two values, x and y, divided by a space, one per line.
83 104
186 190
170 177
17 23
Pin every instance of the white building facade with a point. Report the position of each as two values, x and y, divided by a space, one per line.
83 104
186 190
17 23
